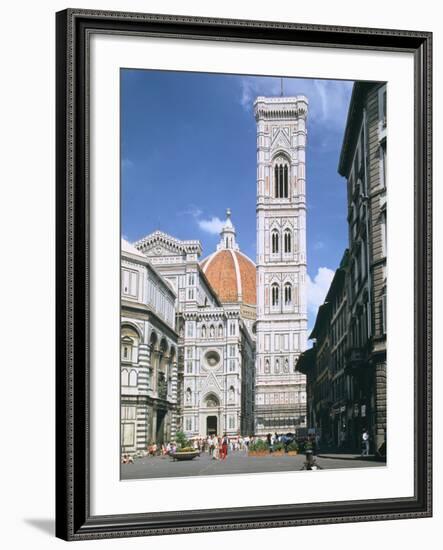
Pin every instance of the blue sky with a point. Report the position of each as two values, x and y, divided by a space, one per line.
188 152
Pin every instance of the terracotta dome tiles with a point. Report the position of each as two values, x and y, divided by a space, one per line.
221 271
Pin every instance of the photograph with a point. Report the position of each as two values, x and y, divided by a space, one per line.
253 274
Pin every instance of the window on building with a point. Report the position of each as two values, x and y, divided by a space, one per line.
128 413
191 279
203 331
281 184
129 282
232 328
267 367
188 367
126 353
231 394
190 294
286 366
288 294
231 365
232 351
277 366
384 242
275 237
133 378
383 314
383 107
275 294
188 396
211 331
188 424
382 159
220 331
287 241
363 258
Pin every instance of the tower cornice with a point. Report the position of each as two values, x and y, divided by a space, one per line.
280 108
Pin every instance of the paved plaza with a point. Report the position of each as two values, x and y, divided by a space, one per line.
237 462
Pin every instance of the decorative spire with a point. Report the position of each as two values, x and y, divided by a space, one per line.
227 234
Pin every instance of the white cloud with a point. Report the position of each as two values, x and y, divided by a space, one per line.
318 288
319 245
212 226
328 99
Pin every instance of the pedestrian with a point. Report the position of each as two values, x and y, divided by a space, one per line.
216 448
365 443
224 447
269 441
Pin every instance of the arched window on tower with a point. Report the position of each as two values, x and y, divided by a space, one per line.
203 331
276 182
275 294
287 241
288 294
275 241
285 181
281 180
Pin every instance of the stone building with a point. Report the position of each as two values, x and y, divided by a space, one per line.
359 390
281 262
363 164
329 387
148 361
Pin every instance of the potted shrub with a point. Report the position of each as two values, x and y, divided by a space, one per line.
258 448
185 450
278 449
292 449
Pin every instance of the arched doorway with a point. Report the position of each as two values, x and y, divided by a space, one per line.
211 425
212 405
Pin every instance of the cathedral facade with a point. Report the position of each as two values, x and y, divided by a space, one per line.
216 349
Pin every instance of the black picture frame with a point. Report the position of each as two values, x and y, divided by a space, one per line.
74 28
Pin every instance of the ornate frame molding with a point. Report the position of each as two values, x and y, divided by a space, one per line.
73 30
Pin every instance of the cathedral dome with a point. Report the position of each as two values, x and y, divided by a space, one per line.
231 274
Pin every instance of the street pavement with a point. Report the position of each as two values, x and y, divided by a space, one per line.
237 462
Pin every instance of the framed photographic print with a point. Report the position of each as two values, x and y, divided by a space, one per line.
243 274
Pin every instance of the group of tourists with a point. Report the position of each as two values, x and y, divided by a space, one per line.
215 445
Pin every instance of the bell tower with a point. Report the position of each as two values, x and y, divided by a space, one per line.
281 262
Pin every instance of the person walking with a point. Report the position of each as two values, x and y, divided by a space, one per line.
225 447
216 448
365 443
